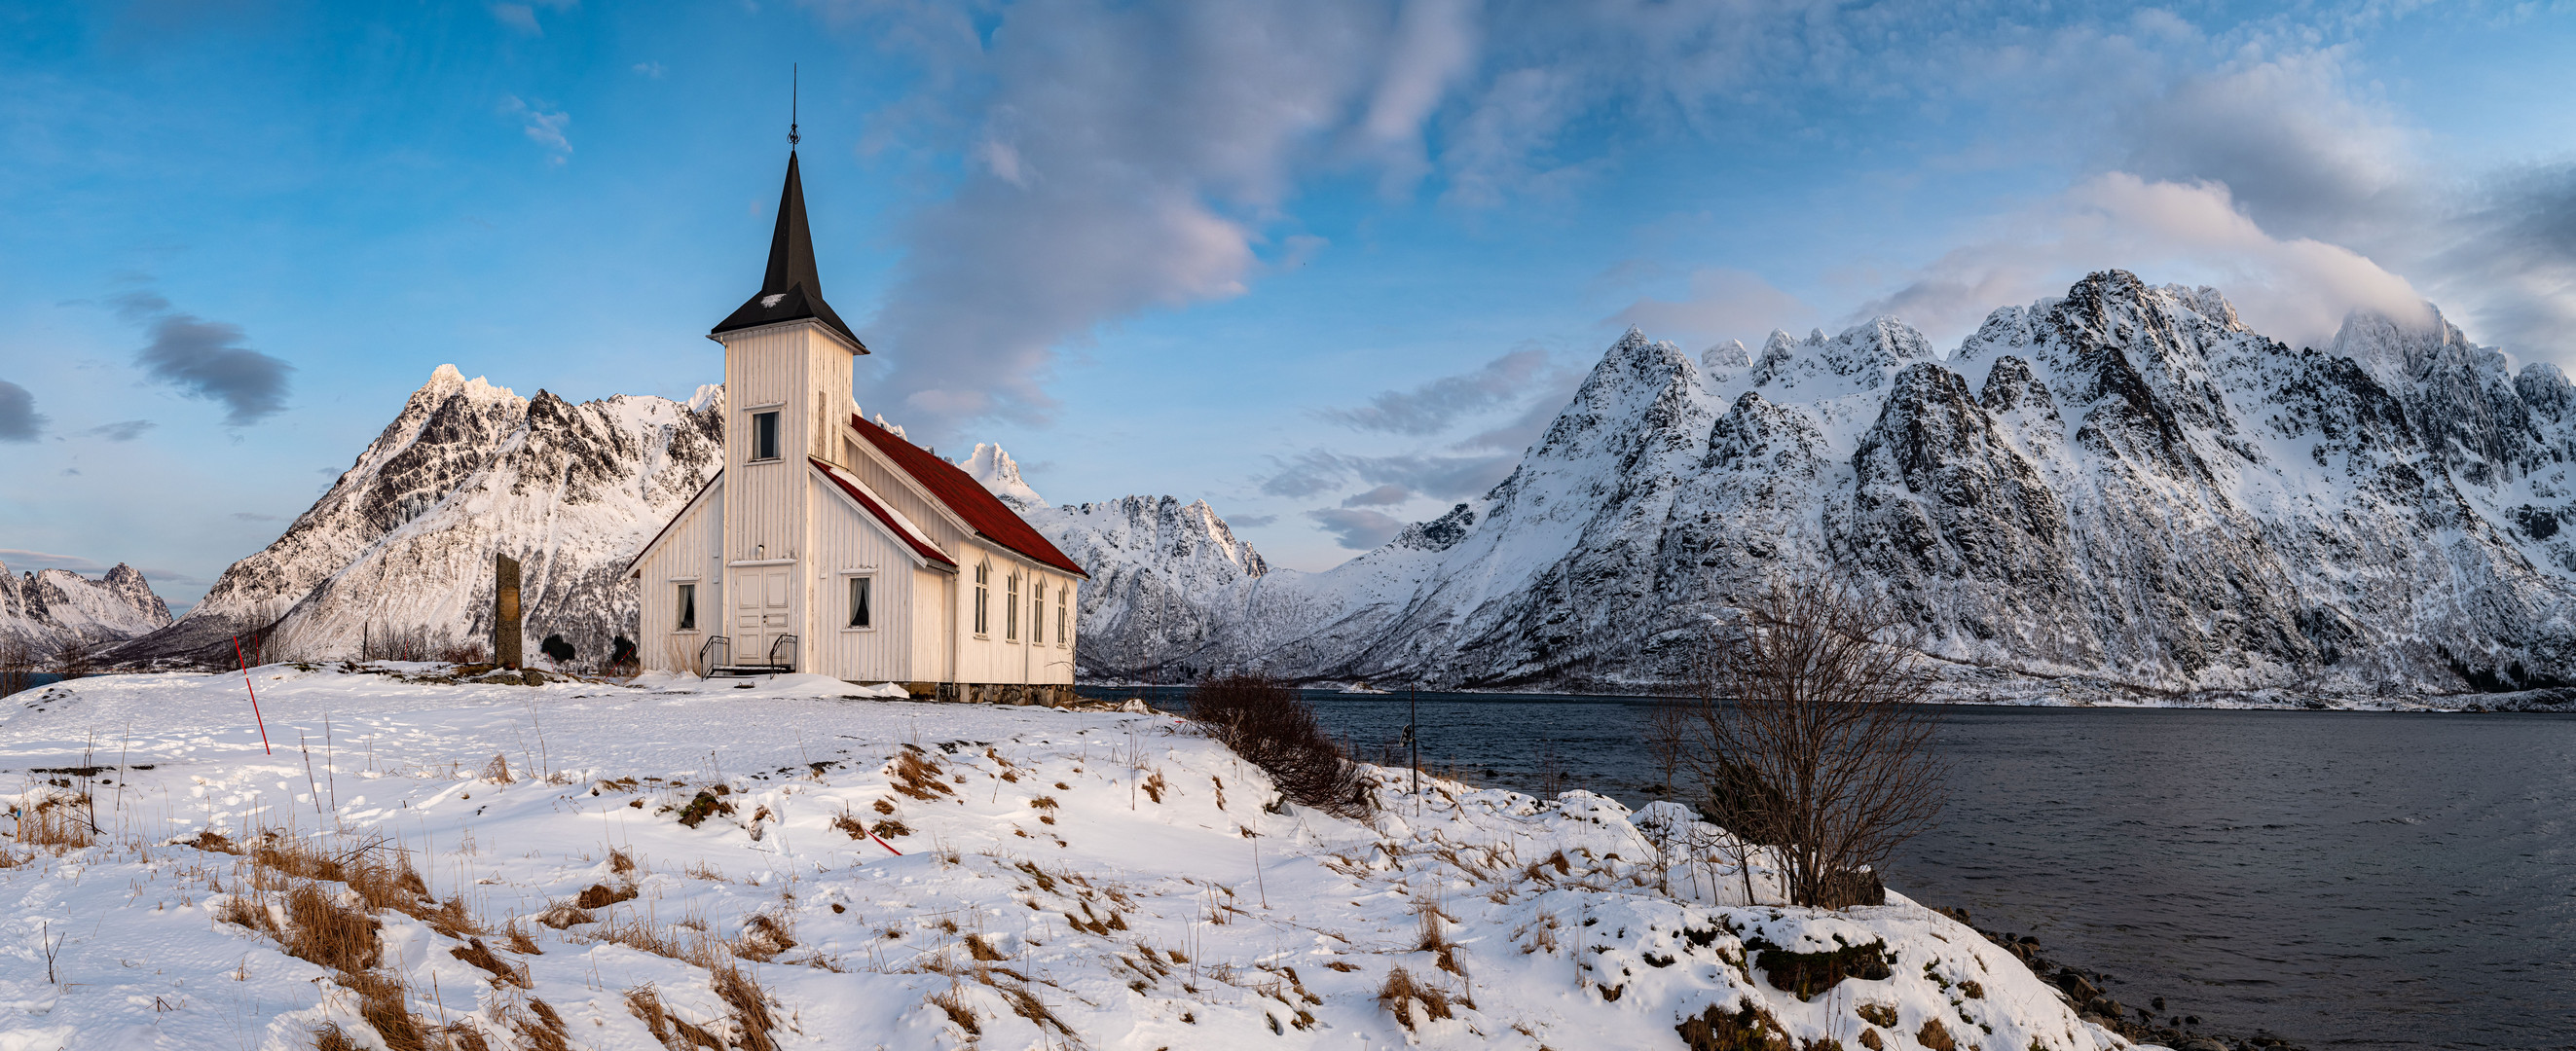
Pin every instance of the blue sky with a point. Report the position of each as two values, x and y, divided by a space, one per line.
1325 264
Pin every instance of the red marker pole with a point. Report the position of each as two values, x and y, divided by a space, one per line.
254 696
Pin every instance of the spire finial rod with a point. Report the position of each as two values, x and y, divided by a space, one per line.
791 107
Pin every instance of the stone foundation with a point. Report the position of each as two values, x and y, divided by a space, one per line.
1050 695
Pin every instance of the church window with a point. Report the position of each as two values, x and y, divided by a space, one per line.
859 587
1059 613
983 596
1011 609
764 436
688 607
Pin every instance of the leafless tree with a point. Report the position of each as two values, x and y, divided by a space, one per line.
1808 743
1274 623
74 660
17 665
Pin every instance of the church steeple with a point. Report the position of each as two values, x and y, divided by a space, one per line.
790 291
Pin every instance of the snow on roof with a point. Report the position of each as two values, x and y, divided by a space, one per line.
894 520
966 497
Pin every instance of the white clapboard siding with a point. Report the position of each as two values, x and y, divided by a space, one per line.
846 539
799 372
688 550
900 493
932 590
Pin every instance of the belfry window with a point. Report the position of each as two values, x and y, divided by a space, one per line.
983 597
688 608
764 436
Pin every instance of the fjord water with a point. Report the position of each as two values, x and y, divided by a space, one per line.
2344 879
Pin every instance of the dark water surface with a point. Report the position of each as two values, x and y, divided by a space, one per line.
2344 879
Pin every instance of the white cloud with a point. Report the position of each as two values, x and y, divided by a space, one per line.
2293 289
1722 303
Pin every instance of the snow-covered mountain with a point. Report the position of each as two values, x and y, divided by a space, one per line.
2125 487
403 543
47 610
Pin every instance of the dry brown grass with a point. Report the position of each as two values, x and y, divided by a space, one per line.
674 1034
750 1003
917 776
57 824
601 895
324 931
1401 991
539 1027
385 1004
503 971
1435 937
952 1001
764 936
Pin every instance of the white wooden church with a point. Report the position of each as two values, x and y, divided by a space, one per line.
832 545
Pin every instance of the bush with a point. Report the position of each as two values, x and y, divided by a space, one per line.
1273 728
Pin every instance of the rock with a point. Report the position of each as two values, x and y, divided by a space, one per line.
2076 987
2201 1043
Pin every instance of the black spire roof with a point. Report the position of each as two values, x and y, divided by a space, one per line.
789 291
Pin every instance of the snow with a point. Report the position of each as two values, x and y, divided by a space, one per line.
2125 492
1000 475
1152 896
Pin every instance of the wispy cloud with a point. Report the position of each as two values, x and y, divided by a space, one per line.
523 16
1357 530
1431 407
204 359
22 559
120 431
19 420
649 69
542 126
1721 303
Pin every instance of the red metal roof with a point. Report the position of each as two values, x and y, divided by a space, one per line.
988 516
893 525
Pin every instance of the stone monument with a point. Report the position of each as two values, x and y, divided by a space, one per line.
505 611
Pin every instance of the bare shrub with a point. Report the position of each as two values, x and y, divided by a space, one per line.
468 651
1273 728
75 660
17 665
1808 743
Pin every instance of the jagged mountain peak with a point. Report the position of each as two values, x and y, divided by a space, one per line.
1860 357
2121 488
1000 475
1726 356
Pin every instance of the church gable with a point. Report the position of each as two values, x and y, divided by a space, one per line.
978 509
858 499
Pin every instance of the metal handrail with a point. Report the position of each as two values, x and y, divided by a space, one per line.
714 643
787 643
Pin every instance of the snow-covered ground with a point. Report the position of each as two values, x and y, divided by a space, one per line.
1065 879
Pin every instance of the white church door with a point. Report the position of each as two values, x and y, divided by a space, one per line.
760 614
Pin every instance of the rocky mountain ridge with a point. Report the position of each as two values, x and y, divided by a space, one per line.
48 610
2124 490
400 549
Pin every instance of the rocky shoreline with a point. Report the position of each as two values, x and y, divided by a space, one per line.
2153 1023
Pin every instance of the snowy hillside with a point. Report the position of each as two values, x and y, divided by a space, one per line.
48 610
2122 489
403 543
691 865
